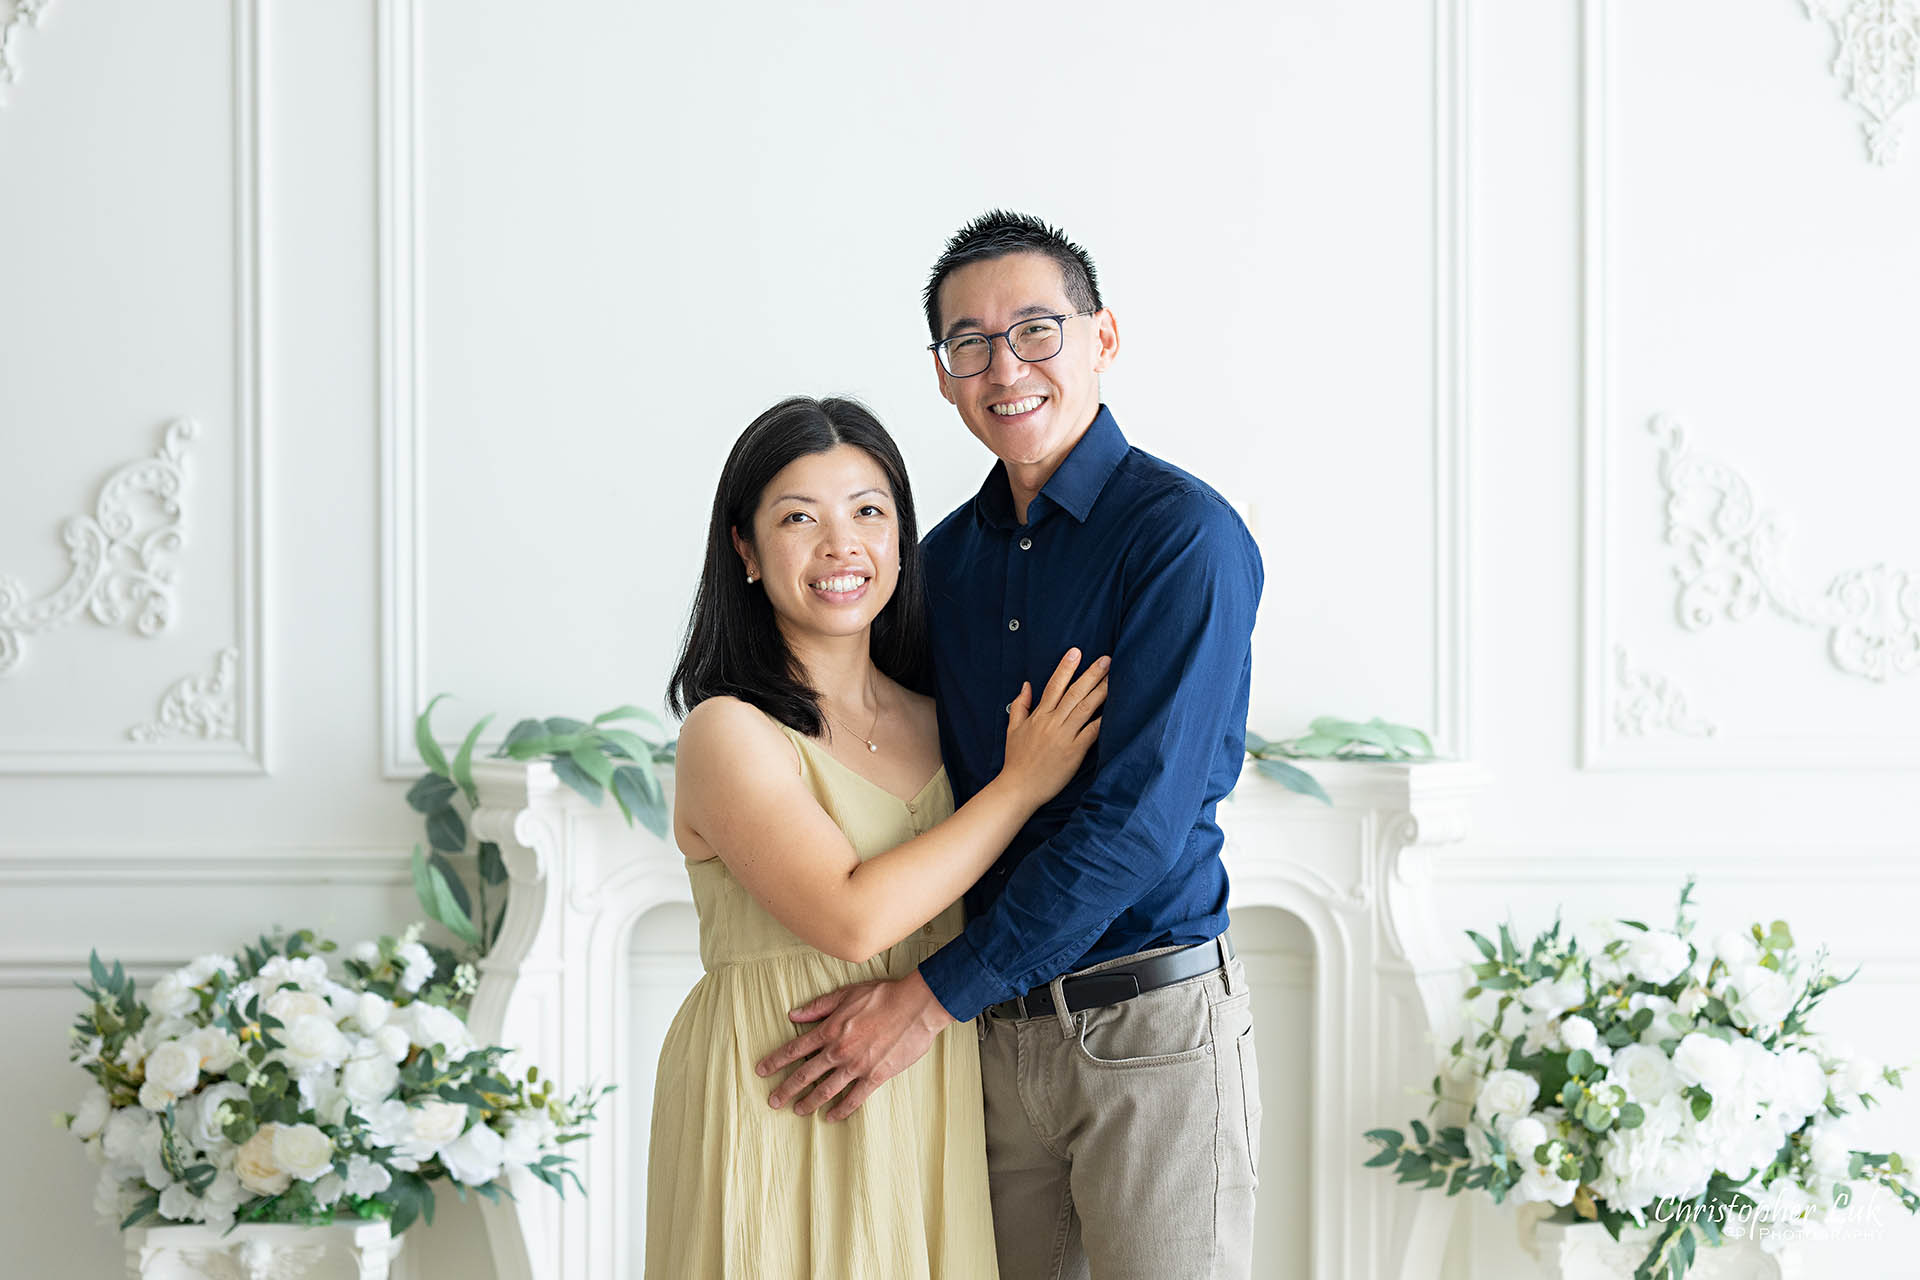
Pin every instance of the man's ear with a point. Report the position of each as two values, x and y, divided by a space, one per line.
743 549
1108 340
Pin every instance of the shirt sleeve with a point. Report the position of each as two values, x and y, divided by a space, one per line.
1180 660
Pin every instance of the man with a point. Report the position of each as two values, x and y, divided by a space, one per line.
1115 1031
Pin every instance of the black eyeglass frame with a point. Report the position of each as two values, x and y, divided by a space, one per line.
945 355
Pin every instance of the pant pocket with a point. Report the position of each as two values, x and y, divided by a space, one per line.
1250 1099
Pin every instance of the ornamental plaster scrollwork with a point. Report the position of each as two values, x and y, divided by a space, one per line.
1732 562
1878 61
196 706
1645 703
26 13
121 561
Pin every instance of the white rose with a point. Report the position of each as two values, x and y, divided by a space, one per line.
120 1137
172 996
1541 1185
1506 1093
178 1204
1644 1072
303 1151
290 1004
91 1115
394 1042
367 953
154 1098
1735 948
1657 957
1764 997
204 1130
217 1048
418 967
312 1043
160 1030
307 971
365 1178
529 1135
369 1081
435 1124
474 1158
1577 1033
429 1024
255 1166
112 1198
320 1092
327 1190
371 1012
201 971
1699 1059
1832 1157
389 1124
1861 1074
1803 1085
1691 1002
1552 997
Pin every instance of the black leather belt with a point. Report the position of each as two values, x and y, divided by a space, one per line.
1123 982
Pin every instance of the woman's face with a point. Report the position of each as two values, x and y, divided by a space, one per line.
826 543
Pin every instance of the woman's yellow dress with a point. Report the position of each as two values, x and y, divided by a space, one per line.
736 1189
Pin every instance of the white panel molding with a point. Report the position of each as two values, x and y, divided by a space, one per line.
195 706
245 749
1880 866
162 867
119 564
1453 348
1878 60
402 495
26 13
1731 563
1646 703
1603 745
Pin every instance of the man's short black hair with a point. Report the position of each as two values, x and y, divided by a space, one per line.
997 233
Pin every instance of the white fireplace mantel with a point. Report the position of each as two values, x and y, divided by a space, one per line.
1386 986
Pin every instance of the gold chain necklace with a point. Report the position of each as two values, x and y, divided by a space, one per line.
868 739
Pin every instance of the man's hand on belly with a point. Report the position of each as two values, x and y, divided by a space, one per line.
872 1031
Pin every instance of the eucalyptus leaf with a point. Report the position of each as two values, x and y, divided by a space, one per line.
570 773
463 760
1317 744
493 867
431 792
423 738
446 831
1293 779
446 908
592 763
637 748
454 884
520 733
639 793
629 712
561 725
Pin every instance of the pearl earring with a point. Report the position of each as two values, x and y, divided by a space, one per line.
751 579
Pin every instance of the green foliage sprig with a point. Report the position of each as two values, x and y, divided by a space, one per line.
592 757
1330 738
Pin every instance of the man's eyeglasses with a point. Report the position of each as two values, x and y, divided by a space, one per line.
1031 340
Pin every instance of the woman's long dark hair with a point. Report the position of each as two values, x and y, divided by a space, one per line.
733 645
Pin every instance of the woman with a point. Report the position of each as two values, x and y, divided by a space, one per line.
823 846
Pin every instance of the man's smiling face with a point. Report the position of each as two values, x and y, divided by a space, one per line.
1029 415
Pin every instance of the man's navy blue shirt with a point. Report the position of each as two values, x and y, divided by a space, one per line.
1126 555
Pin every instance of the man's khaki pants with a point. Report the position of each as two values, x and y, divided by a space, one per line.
1122 1142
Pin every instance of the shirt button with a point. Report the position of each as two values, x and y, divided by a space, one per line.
1026 544
1013 624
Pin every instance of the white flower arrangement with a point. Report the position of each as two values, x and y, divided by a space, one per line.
1650 1082
255 1087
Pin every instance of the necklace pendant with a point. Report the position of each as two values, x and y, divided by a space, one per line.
872 747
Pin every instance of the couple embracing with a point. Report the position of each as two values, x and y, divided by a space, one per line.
966 780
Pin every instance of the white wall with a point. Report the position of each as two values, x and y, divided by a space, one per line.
468 302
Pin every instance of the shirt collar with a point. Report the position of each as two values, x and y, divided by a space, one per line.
1074 486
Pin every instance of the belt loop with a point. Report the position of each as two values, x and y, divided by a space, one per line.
1226 963
1059 989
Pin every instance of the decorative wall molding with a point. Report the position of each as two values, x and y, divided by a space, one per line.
1732 562
26 13
195 866
1453 372
121 558
245 749
1645 703
402 493
195 706
1878 60
1725 562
